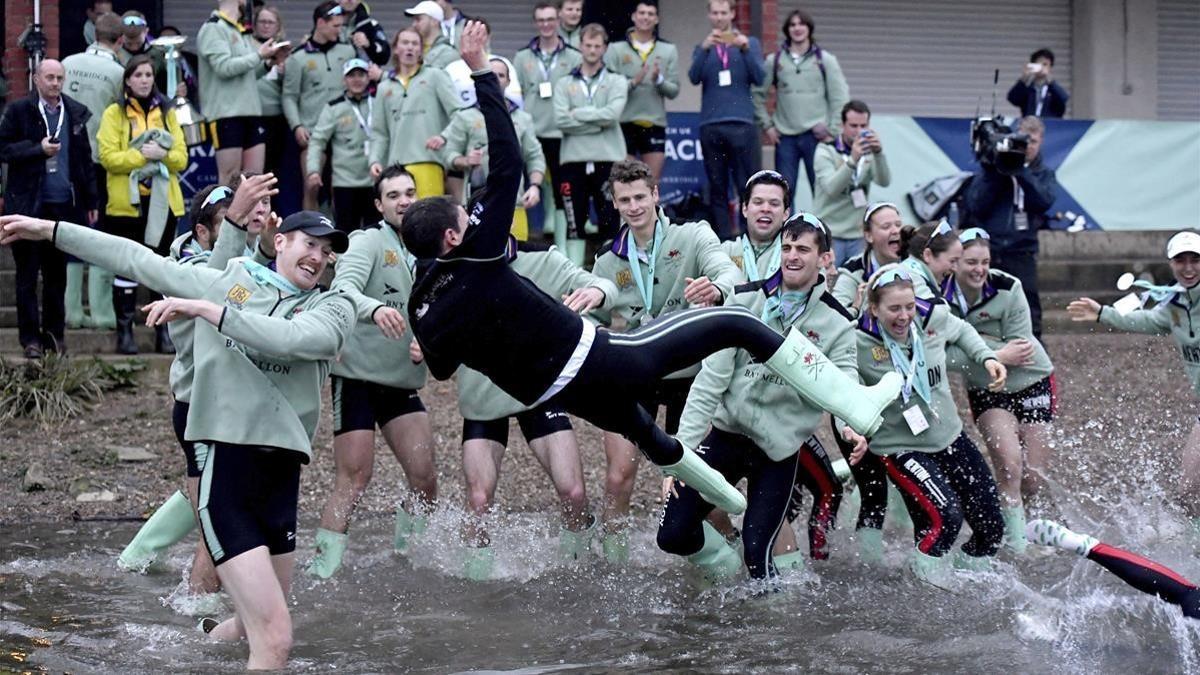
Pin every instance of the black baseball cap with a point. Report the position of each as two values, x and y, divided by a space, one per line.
316 224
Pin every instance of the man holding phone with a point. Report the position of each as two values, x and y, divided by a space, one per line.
1035 92
44 140
844 172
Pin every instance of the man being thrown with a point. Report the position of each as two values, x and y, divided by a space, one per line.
465 291
263 340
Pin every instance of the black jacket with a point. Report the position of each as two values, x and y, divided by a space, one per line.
989 203
21 132
1024 96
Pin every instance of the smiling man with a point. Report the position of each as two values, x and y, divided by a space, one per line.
765 205
262 346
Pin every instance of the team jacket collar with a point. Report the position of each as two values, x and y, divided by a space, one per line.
313 48
535 47
620 244
869 325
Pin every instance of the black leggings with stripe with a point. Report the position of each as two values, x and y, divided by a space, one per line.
943 489
870 479
622 369
1149 577
817 476
769 489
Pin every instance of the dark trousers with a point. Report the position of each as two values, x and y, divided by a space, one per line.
1023 265
32 258
871 479
134 229
788 155
354 208
580 188
730 152
552 148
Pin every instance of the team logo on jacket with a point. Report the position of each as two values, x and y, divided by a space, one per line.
624 279
813 336
1176 320
984 315
879 353
737 260
673 253
310 65
391 258
237 296
929 332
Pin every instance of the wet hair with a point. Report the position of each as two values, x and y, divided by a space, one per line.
206 214
768 177
806 223
805 18
631 170
135 63
425 224
593 30
108 27
855 106
1042 53
915 240
875 293
392 171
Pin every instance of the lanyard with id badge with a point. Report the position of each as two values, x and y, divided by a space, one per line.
725 76
913 371
365 123
52 162
546 89
645 284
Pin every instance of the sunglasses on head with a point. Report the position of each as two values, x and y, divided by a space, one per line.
218 194
336 10
972 233
890 277
943 229
871 209
133 21
813 222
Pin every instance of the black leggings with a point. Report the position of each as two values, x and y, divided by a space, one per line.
769 501
817 476
871 479
1149 577
941 490
622 369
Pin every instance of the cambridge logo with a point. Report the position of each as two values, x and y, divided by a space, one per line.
238 295
879 353
624 279
391 258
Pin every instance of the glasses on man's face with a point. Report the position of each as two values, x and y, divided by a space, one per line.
133 21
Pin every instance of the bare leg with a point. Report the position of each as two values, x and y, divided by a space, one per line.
254 158
999 430
721 522
229 164
481 469
258 584
558 454
1036 440
1189 477
411 439
785 541
354 462
655 160
203 578
623 459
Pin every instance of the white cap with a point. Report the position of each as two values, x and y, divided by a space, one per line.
1184 242
428 8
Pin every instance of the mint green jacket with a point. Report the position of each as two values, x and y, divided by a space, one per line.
376 271
95 79
804 95
689 250
551 271
263 367
531 73
940 329
441 53
763 257
852 274
467 132
647 101
1178 317
591 124
835 179
338 125
405 118
229 70
742 396
312 77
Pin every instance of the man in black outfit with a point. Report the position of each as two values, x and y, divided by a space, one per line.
469 307
44 141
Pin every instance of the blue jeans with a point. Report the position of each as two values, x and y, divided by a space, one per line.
788 154
730 149
845 249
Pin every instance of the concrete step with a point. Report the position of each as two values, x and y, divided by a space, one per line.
1093 273
83 341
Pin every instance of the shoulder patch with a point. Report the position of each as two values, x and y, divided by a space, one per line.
1001 281
832 302
237 296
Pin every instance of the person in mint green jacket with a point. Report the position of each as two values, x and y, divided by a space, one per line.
931 254
230 64
1014 422
264 343
766 203
547 428
881 235
651 65
810 91
345 123
761 427
375 382
686 268
939 472
1177 313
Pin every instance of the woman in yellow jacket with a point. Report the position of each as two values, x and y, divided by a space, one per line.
143 151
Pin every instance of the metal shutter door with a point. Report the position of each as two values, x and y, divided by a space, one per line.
1178 60
937 57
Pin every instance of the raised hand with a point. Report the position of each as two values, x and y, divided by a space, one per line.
250 192
473 46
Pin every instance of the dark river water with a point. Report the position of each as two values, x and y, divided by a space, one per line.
64 606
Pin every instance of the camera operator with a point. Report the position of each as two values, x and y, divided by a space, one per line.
1012 207
1036 93
845 170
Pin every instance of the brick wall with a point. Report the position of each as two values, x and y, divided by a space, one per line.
18 15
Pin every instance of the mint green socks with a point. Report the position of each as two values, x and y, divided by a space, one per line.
479 563
408 527
716 559
328 549
170 523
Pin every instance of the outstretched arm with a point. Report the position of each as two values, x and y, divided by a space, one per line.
491 217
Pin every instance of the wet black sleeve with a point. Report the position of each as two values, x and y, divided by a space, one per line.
491 218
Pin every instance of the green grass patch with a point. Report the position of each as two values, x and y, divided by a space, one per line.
55 388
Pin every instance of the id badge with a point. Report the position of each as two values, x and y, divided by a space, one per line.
589 168
916 420
859 197
545 90
724 78
367 148
1020 221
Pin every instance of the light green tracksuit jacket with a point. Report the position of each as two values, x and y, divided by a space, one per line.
466 132
312 77
588 112
804 95
229 69
534 68
764 260
1178 317
647 101
95 79
407 117
338 124
836 179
